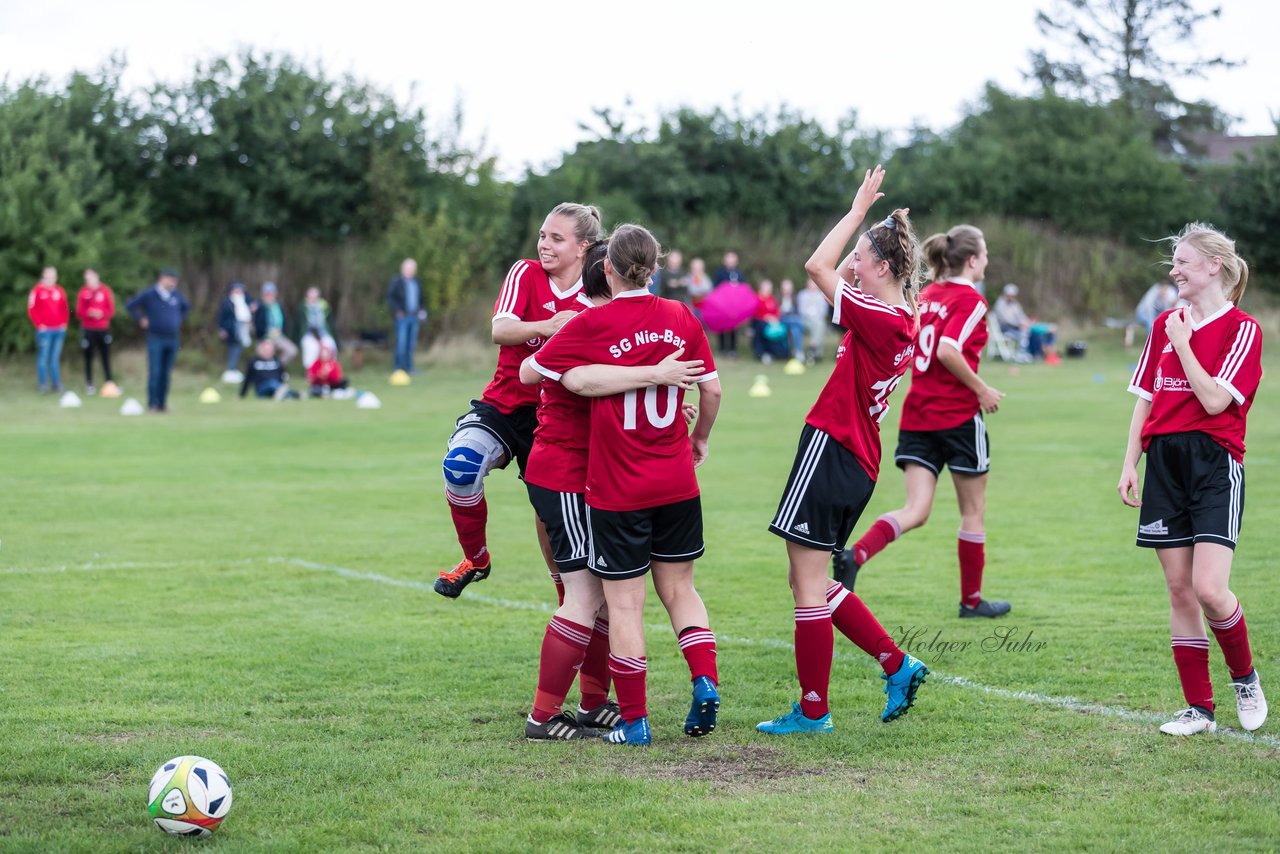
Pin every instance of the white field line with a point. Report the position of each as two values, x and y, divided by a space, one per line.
1073 704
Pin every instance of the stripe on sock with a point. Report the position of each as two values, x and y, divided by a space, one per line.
1229 622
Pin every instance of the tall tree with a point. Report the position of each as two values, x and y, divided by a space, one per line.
1132 52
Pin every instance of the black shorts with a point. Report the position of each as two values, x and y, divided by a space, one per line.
564 515
1193 493
625 542
826 493
963 449
514 431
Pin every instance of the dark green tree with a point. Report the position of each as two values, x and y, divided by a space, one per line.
59 206
1132 52
1250 199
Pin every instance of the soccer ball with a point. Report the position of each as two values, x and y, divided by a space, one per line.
189 796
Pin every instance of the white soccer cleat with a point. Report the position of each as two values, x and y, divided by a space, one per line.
1189 721
1250 704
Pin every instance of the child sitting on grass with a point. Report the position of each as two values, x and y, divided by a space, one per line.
266 375
325 373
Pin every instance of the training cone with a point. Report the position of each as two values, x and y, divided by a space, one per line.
368 400
69 400
760 388
210 395
131 407
232 377
795 367
399 377
109 389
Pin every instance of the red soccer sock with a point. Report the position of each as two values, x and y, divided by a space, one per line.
1233 637
563 648
856 622
593 678
699 648
971 547
1191 656
555 579
628 680
469 520
814 649
885 530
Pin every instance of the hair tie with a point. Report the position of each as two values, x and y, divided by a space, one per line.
890 223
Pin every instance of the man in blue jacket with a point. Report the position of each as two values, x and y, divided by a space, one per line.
160 310
408 309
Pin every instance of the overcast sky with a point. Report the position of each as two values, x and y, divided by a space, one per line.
528 74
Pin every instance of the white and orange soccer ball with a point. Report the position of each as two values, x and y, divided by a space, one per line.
189 796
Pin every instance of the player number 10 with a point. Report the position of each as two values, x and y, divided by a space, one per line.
650 407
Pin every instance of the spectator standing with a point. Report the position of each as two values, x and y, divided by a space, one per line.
671 280
313 326
49 313
1158 299
698 284
815 311
268 322
235 322
408 309
728 271
95 306
160 310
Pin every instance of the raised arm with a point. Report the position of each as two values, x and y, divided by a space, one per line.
824 265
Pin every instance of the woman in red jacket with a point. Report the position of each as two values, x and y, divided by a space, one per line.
47 308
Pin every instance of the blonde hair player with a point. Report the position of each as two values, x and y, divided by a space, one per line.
838 459
1195 382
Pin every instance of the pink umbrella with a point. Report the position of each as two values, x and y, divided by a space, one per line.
728 306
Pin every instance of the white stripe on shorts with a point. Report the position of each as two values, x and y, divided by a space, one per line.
808 464
573 525
1235 473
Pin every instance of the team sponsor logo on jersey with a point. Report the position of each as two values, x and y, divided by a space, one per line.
534 343
1164 383
549 306
802 528
1156 527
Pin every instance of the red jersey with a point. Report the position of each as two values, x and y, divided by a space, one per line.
528 295
558 460
47 307
1228 345
640 453
95 307
870 363
953 313
324 372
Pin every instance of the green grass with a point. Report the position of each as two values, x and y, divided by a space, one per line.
250 582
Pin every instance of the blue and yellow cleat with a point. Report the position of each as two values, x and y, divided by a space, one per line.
901 687
635 733
706 703
794 722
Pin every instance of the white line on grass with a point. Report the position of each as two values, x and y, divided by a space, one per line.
1073 704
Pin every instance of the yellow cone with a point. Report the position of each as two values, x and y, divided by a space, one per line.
794 367
210 395
400 377
760 388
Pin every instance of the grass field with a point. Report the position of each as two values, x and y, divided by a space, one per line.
250 582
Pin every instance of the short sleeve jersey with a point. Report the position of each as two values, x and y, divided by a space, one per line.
640 454
1228 345
558 460
870 362
528 295
952 313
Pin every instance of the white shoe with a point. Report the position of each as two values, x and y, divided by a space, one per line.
232 377
1189 722
1250 704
